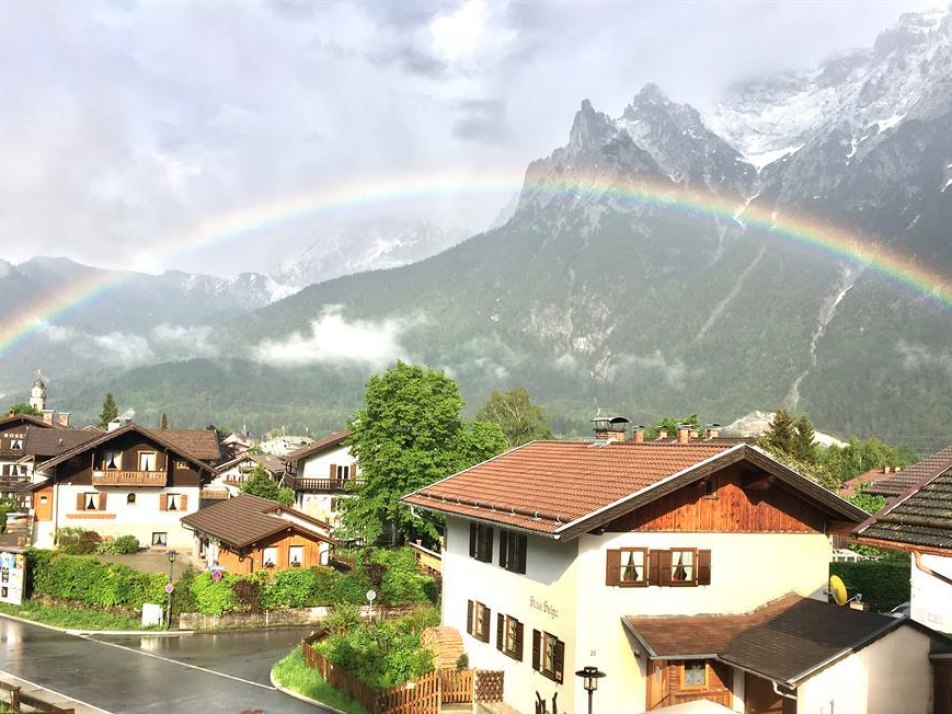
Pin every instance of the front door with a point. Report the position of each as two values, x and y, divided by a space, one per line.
657 683
760 698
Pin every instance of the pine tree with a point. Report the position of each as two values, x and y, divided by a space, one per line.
109 411
165 422
803 446
780 435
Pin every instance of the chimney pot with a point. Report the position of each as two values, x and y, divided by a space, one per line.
684 434
662 434
638 435
713 431
48 416
886 469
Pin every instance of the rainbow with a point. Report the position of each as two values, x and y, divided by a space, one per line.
797 229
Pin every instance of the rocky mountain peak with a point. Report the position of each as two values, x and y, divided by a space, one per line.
590 130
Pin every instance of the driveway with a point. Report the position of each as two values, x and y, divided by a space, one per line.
206 673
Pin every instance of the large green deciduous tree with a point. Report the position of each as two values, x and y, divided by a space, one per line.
520 420
109 411
407 435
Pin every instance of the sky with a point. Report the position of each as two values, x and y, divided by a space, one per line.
134 134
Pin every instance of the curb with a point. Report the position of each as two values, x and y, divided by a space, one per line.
302 697
66 699
89 633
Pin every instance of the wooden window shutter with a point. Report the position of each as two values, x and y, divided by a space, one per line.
500 630
163 502
353 470
504 548
536 650
485 624
521 547
183 502
469 616
654 567
472 540
518 651
613 568
488 553
333 471
102 502
80 502
704 567
664 566
559 659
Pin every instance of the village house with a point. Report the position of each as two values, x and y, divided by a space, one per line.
685 569
247 533
321 474
128 481
919 522
233 474
896 482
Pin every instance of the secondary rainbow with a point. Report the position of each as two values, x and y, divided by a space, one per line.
799 229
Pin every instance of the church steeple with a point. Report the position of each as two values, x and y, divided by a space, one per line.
38 393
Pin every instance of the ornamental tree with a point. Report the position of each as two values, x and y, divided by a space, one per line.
520 420
409 434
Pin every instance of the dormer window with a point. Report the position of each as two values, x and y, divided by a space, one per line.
147 460
16 444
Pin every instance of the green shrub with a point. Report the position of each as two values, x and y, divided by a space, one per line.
85 579
883 584
343 618
248 594
294 587
183 599
214 597
6 505
123 545
77 541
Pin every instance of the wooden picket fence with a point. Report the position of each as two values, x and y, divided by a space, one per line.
14 698
420 696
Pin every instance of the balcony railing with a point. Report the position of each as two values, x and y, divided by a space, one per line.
331 485
129 478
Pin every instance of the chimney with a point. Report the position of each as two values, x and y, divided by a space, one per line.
48 416
713 431
684 433
62 418
638 434
886 469
694 433
610 428
662 435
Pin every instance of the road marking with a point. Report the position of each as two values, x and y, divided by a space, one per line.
66 697
181 664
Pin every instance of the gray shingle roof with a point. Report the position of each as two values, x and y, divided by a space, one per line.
923 518
247 519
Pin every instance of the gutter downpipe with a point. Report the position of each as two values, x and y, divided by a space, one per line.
776 689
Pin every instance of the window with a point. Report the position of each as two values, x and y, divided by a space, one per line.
694 675
627 567
343 473
296 556
172 502
111 460
477 620
682 567
147 461
131 499
270 556
160 539
481 542
512 551
16 444
509 636
90 501
548 655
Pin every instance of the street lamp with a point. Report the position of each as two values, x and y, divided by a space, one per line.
170 588
590 677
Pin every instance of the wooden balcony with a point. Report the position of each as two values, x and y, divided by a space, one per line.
321 485
130 478
14 480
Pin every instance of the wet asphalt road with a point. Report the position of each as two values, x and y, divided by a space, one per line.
211 673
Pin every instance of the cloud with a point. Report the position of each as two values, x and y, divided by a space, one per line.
481 120
185 341
919 356
334 340
120 349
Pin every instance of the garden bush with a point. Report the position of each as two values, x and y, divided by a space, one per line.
214 597
85 579
123 545
77 541
883 584
295 587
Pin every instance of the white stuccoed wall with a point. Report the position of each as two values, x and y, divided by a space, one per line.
931 599
319 467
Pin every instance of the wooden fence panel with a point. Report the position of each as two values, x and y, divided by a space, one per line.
488 686
421 696
457 686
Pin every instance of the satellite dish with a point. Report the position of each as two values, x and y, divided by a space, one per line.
838 590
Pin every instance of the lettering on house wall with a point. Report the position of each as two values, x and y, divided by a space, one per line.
543 606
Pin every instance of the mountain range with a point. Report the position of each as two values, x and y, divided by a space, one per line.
629 276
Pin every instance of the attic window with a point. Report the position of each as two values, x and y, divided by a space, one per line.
111 460
16 444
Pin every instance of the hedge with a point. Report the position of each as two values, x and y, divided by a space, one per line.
84 579
884 585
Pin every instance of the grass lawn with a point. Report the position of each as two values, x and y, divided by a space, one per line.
293 673
71 617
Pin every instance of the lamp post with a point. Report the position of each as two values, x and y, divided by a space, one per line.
170 588
590 677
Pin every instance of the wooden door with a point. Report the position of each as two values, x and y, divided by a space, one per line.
657 683
760 698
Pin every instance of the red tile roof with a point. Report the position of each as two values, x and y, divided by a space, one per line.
319 446
897 483
246 519
785 640
545 485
